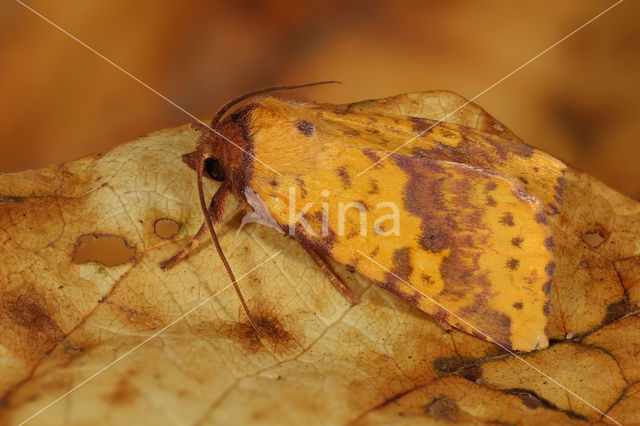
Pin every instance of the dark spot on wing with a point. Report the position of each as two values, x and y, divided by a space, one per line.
518 305
419 124
303 190
548 243
352 233
546 308
344 176
305 127
507 219
402 264
546 288
432 239
372 155
559 188
550 268
541 219
517 241
498 322
374 187
513 264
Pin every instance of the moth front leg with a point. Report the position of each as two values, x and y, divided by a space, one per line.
324 267
215 211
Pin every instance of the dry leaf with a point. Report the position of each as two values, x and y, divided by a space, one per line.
68 310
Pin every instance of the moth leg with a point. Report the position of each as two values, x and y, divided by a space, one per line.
324 267
215 211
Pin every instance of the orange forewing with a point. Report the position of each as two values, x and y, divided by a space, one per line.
454 221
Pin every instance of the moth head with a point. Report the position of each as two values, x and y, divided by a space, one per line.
224 146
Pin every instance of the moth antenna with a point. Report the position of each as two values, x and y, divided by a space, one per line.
214 237
224 108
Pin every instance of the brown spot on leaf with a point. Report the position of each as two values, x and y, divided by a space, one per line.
305 127
528 398
507 219
277 338
125 393
615 311
446 366
24 312
166 228
442 409
471 372
108 250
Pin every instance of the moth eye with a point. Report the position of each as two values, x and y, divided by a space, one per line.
214 169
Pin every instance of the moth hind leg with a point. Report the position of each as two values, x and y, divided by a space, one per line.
215 212
324 267
184 252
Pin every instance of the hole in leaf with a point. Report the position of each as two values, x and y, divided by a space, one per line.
593 238
166 228
109 250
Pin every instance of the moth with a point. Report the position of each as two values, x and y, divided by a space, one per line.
451 218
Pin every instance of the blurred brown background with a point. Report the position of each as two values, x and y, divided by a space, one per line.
579 101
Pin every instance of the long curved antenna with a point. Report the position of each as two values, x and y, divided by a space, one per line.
224 108
214 237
